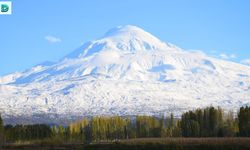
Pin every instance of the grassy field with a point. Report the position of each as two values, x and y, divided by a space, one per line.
146 144
189 141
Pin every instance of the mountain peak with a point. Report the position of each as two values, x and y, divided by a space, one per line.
126 39
127 29
134 38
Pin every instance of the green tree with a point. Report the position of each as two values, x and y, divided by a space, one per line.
244 121
1 131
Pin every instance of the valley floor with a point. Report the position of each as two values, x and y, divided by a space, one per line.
145 144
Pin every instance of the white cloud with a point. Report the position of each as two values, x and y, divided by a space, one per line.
52 39
233 56
246 61
196 51
225 56
214 53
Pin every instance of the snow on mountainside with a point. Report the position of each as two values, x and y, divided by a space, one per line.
126 72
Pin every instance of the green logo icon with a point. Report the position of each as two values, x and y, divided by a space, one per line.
4 8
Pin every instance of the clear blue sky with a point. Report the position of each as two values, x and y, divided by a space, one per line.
41 30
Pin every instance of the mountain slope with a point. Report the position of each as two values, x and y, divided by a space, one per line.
126 72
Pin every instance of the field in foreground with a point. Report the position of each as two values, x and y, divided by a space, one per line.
146 144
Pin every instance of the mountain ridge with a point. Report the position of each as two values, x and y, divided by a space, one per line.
126 72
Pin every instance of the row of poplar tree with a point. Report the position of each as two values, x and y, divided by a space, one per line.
208 122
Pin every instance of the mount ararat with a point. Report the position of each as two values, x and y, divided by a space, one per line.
126 72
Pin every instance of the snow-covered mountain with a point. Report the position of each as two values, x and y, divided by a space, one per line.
126 72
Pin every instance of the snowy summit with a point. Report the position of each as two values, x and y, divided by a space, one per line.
126 72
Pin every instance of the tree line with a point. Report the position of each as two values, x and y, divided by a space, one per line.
207 122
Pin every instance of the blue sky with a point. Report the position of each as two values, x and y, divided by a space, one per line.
46 30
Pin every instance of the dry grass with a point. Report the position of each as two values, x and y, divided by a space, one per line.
189 141
142 144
